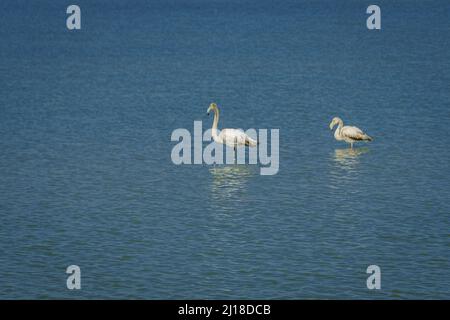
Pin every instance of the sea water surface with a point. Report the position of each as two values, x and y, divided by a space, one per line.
86 176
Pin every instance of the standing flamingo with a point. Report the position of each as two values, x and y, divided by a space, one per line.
230 137
348 134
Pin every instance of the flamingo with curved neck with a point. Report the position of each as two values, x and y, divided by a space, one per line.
230 137
348 134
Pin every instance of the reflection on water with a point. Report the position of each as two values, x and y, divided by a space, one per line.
229 192
230 181
348 159
346 165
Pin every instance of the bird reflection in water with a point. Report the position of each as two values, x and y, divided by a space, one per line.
348 158
229 182
345 168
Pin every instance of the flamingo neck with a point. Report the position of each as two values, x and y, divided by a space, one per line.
337 133
214 126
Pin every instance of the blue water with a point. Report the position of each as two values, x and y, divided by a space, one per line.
87 179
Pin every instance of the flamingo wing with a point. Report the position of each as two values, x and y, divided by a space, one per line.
236 137
354 133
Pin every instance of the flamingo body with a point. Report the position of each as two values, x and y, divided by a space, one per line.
230 137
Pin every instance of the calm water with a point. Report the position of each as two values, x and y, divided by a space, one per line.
87 179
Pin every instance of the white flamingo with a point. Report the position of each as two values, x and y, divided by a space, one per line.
348 134
230 137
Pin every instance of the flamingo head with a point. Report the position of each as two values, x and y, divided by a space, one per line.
334 122
212 106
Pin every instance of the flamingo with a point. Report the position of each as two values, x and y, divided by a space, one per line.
348 134
230 137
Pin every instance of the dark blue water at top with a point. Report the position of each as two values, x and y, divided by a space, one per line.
87 179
